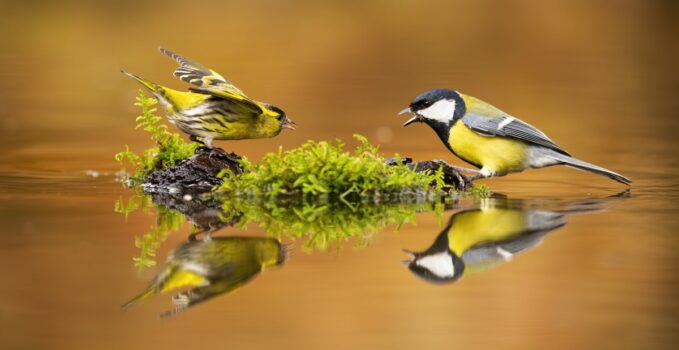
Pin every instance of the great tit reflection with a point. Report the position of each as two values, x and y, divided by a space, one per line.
212 267
479 238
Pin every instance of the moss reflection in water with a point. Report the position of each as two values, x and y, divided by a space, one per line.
320 224
167 221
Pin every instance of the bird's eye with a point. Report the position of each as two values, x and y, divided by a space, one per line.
422 104
280 117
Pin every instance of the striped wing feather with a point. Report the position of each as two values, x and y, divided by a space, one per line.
208 81
507 126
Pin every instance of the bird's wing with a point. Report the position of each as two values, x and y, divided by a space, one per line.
507 126
208 81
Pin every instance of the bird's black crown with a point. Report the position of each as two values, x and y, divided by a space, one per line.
428 98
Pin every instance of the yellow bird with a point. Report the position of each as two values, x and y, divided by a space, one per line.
490 139
215 109
477 239
212 267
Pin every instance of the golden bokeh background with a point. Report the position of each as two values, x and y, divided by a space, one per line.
599 77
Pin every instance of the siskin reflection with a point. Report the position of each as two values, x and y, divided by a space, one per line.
477 239
213 267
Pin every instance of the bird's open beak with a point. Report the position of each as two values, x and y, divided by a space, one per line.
407 110
288 124
411 255
414 119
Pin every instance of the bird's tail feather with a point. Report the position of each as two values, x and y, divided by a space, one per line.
158 91
151 86
149 292
582 165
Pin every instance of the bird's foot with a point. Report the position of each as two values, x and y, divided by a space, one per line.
478 176
463 169
206 232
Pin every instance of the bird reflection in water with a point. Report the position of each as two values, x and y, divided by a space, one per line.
490 234
212 267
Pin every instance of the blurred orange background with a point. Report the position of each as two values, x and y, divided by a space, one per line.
594 75
599 77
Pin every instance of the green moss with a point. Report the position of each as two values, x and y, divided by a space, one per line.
169 147
325 169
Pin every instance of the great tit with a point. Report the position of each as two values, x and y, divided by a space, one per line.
213 267
477 239
490 139
214 109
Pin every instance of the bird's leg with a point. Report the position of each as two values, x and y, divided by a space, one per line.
463 169
192 235
207 141
208 234
482 174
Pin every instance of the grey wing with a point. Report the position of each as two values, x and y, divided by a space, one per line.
538 225
508 126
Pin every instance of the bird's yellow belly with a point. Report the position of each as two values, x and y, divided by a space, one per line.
497 155
485 226
234 131
217 127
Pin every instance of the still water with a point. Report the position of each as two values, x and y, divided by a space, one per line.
556 257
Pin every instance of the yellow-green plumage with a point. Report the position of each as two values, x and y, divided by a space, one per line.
213 267
475 227
498 155
215 109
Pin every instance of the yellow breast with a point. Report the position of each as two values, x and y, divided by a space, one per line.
497 155
484 226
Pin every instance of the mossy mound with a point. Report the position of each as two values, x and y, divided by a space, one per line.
201 173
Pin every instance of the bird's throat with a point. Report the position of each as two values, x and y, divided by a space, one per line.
442 130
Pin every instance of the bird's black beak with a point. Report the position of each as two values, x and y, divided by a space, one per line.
288 124
414 119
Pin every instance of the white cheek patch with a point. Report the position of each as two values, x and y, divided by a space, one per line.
442 111
439 264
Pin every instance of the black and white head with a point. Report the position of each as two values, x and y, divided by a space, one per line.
437 108
440 267
438 264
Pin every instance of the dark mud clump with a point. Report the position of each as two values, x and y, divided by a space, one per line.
205 212
197 174
452 177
